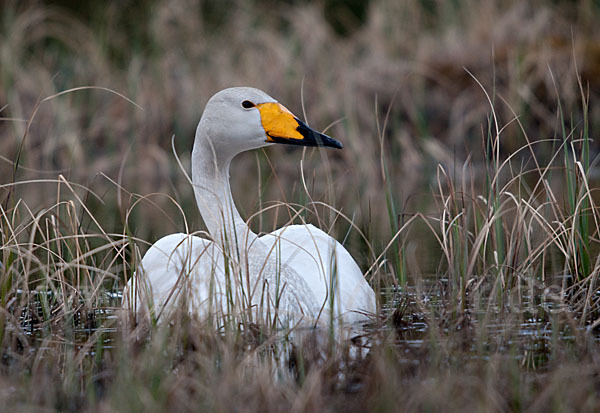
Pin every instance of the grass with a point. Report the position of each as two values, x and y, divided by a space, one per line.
467 196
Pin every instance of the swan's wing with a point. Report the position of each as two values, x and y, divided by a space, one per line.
326 266
184 272
177 267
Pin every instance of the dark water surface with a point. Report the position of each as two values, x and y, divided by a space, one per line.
412 320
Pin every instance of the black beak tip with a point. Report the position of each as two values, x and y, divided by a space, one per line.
324 140
337 144
314 138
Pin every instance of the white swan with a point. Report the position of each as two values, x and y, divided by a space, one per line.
297 275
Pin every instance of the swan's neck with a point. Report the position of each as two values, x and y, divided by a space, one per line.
210 177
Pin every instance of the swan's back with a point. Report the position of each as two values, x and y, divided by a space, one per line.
187 272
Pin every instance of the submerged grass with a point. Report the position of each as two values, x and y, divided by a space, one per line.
487 278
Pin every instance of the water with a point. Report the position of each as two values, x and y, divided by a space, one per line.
415 323
420 322
41 316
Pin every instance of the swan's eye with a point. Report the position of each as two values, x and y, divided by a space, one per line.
246 104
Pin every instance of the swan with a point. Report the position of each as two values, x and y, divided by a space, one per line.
295 276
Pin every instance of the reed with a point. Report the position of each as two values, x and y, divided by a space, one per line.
467 196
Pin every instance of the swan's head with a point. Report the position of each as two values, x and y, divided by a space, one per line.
243 118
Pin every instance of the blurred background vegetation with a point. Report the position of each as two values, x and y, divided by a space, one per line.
355 65
414 90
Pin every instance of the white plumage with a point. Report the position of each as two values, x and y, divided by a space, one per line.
296 275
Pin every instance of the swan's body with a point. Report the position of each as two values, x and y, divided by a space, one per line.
295 275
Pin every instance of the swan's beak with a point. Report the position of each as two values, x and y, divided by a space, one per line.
281 126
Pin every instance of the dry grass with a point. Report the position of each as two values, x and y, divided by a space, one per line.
475 190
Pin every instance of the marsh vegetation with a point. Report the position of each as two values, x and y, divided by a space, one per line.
466 191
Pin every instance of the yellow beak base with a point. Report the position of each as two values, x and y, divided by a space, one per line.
278 122
281 126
